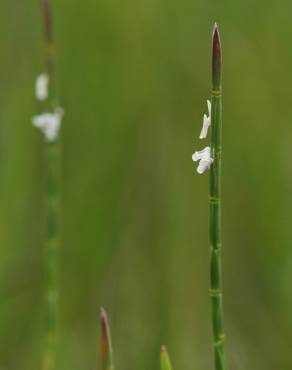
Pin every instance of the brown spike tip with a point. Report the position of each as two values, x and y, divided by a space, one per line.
216 58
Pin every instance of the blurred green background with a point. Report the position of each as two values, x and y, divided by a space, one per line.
134 77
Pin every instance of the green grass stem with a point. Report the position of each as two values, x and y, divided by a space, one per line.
165 363
215 204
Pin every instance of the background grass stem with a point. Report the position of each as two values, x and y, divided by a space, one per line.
53 204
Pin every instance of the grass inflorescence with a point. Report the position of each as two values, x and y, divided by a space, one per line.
210 159
215 203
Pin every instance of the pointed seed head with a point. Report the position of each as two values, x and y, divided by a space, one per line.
106 351
216 59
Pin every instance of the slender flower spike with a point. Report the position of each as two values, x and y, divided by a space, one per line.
106 350
164 359
49 123
215 227
204 158
41 87
206 122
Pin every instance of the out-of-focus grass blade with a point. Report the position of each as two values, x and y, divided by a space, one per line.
164 359
106 350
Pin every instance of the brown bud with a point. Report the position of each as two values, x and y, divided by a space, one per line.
47 15
216 59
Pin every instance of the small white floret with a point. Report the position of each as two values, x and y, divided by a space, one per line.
49 123
42 86
206 152
206 122
204 158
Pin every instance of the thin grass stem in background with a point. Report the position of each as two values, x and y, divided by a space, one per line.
53 202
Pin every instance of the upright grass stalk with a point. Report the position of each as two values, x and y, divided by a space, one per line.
53 203
215 204
165 363
106 350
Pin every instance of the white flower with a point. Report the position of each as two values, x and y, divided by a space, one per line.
206 122
41 87
204 158
49 123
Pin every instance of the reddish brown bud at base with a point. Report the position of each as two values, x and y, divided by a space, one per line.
216 59
163 349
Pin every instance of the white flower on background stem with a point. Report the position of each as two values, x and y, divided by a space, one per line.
204 158
49 123
206 122
41 86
